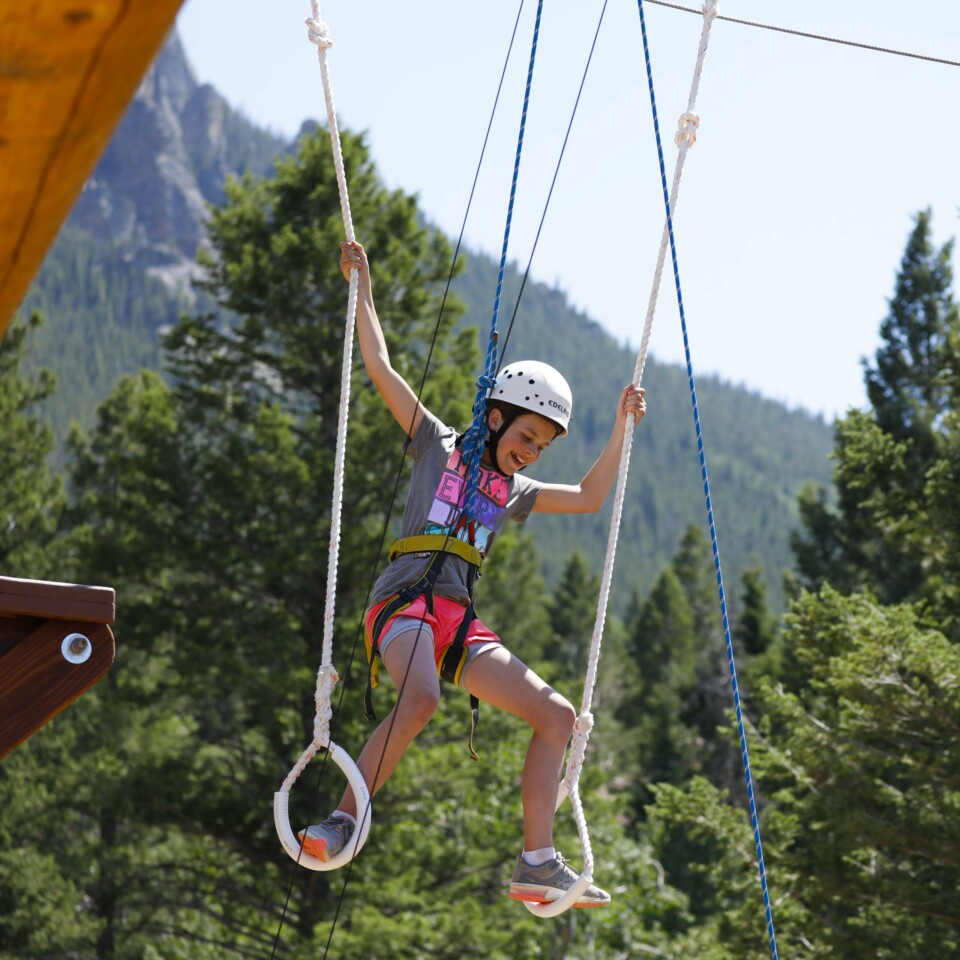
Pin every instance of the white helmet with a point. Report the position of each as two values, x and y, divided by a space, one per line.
537 387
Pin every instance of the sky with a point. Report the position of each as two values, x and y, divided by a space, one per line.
796 201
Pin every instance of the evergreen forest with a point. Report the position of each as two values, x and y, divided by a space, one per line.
138 824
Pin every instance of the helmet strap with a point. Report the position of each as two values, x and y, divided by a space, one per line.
493 436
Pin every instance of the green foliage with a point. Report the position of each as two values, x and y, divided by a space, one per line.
912 385
31 498
856 763
662 647
862 779
510 598
708 851
108 314
105 313
754 632
680 691
886 458
573 612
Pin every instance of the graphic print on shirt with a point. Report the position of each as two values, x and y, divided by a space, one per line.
492 495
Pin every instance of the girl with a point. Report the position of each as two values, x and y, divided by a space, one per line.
422 622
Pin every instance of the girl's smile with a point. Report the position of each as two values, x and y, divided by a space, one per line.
523 441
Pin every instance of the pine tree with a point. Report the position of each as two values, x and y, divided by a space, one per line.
754 632
910 386
31 497
884 456
573 612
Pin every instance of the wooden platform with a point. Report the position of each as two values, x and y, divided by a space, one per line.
67 73
55 643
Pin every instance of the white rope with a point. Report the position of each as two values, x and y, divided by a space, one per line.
319 34
685 138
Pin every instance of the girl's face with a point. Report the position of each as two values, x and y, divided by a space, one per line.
524 440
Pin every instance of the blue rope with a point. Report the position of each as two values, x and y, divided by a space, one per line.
754 820
474 439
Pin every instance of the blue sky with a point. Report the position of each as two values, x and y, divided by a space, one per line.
796 201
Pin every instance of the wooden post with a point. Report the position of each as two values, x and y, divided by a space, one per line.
55 643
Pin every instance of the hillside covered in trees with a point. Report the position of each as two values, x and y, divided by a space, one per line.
138 824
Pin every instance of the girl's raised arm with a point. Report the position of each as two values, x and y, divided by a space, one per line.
589 495
396 392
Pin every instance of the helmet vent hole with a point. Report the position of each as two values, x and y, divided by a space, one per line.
532 381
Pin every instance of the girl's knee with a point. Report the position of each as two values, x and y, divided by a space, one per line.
566 715
418 705
557 718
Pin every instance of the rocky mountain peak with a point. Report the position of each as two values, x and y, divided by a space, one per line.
176 145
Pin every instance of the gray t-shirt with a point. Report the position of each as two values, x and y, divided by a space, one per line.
437 485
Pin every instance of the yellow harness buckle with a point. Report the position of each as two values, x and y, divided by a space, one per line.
437 543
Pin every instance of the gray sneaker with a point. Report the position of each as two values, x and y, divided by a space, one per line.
327 839
550 881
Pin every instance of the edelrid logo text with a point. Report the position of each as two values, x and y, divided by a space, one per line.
559 406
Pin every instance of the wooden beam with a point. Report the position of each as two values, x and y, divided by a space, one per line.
67 73
58 601
39 678
54 645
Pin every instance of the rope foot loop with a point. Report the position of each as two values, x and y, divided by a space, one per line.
289 840
563 903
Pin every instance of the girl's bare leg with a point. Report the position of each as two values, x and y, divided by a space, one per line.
497 677
419 689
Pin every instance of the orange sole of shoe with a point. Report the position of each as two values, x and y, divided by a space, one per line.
315 848
533 898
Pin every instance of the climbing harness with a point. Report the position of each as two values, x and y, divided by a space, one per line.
440 546
327 674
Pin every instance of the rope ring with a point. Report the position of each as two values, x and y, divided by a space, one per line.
290 841
563 903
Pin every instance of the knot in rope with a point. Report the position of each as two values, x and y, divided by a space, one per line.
327 678
583 727
475 437
710 9
687 133
473 442
578 748
318 32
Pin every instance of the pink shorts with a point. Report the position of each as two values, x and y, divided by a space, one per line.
443 624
